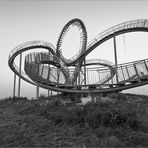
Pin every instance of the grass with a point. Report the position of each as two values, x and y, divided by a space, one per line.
48 122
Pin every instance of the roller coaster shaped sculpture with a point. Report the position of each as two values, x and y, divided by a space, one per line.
51 70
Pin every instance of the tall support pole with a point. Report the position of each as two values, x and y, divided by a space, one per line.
48 77
58 76
79 77
19 83
84 71
48 92
37 87
37 91
14 85
115 55
58 72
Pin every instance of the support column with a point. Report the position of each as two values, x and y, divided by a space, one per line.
48 92
37 91
115 56
58 75
14 85
58 72
79 79
84 71
48 77
19 83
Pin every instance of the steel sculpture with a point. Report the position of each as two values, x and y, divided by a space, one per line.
51 70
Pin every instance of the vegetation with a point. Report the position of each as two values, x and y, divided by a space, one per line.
119 121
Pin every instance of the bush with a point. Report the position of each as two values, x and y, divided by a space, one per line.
27 108
100 132
112 141
94 119
94 115
138 139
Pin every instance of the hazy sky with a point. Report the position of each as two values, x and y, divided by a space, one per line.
22 21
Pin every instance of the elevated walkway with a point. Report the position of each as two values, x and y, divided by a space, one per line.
58 76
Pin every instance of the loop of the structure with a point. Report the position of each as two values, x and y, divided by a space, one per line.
24 47
104 63
83 36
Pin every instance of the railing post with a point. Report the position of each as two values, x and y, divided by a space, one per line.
127 72
42 71
136 70
19 83
30 61
146 66
58 72
122 72
98 75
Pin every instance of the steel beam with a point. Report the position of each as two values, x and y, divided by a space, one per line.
85 71
115 56
14 85
37 91
48 92
19 83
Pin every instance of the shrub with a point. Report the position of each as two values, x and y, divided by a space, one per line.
94 119
138 139
112 141
100 132
27 108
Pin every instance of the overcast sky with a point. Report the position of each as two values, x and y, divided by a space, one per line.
22 21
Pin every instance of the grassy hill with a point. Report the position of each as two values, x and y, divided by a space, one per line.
119 121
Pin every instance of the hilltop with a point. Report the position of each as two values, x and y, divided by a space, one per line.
121 120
